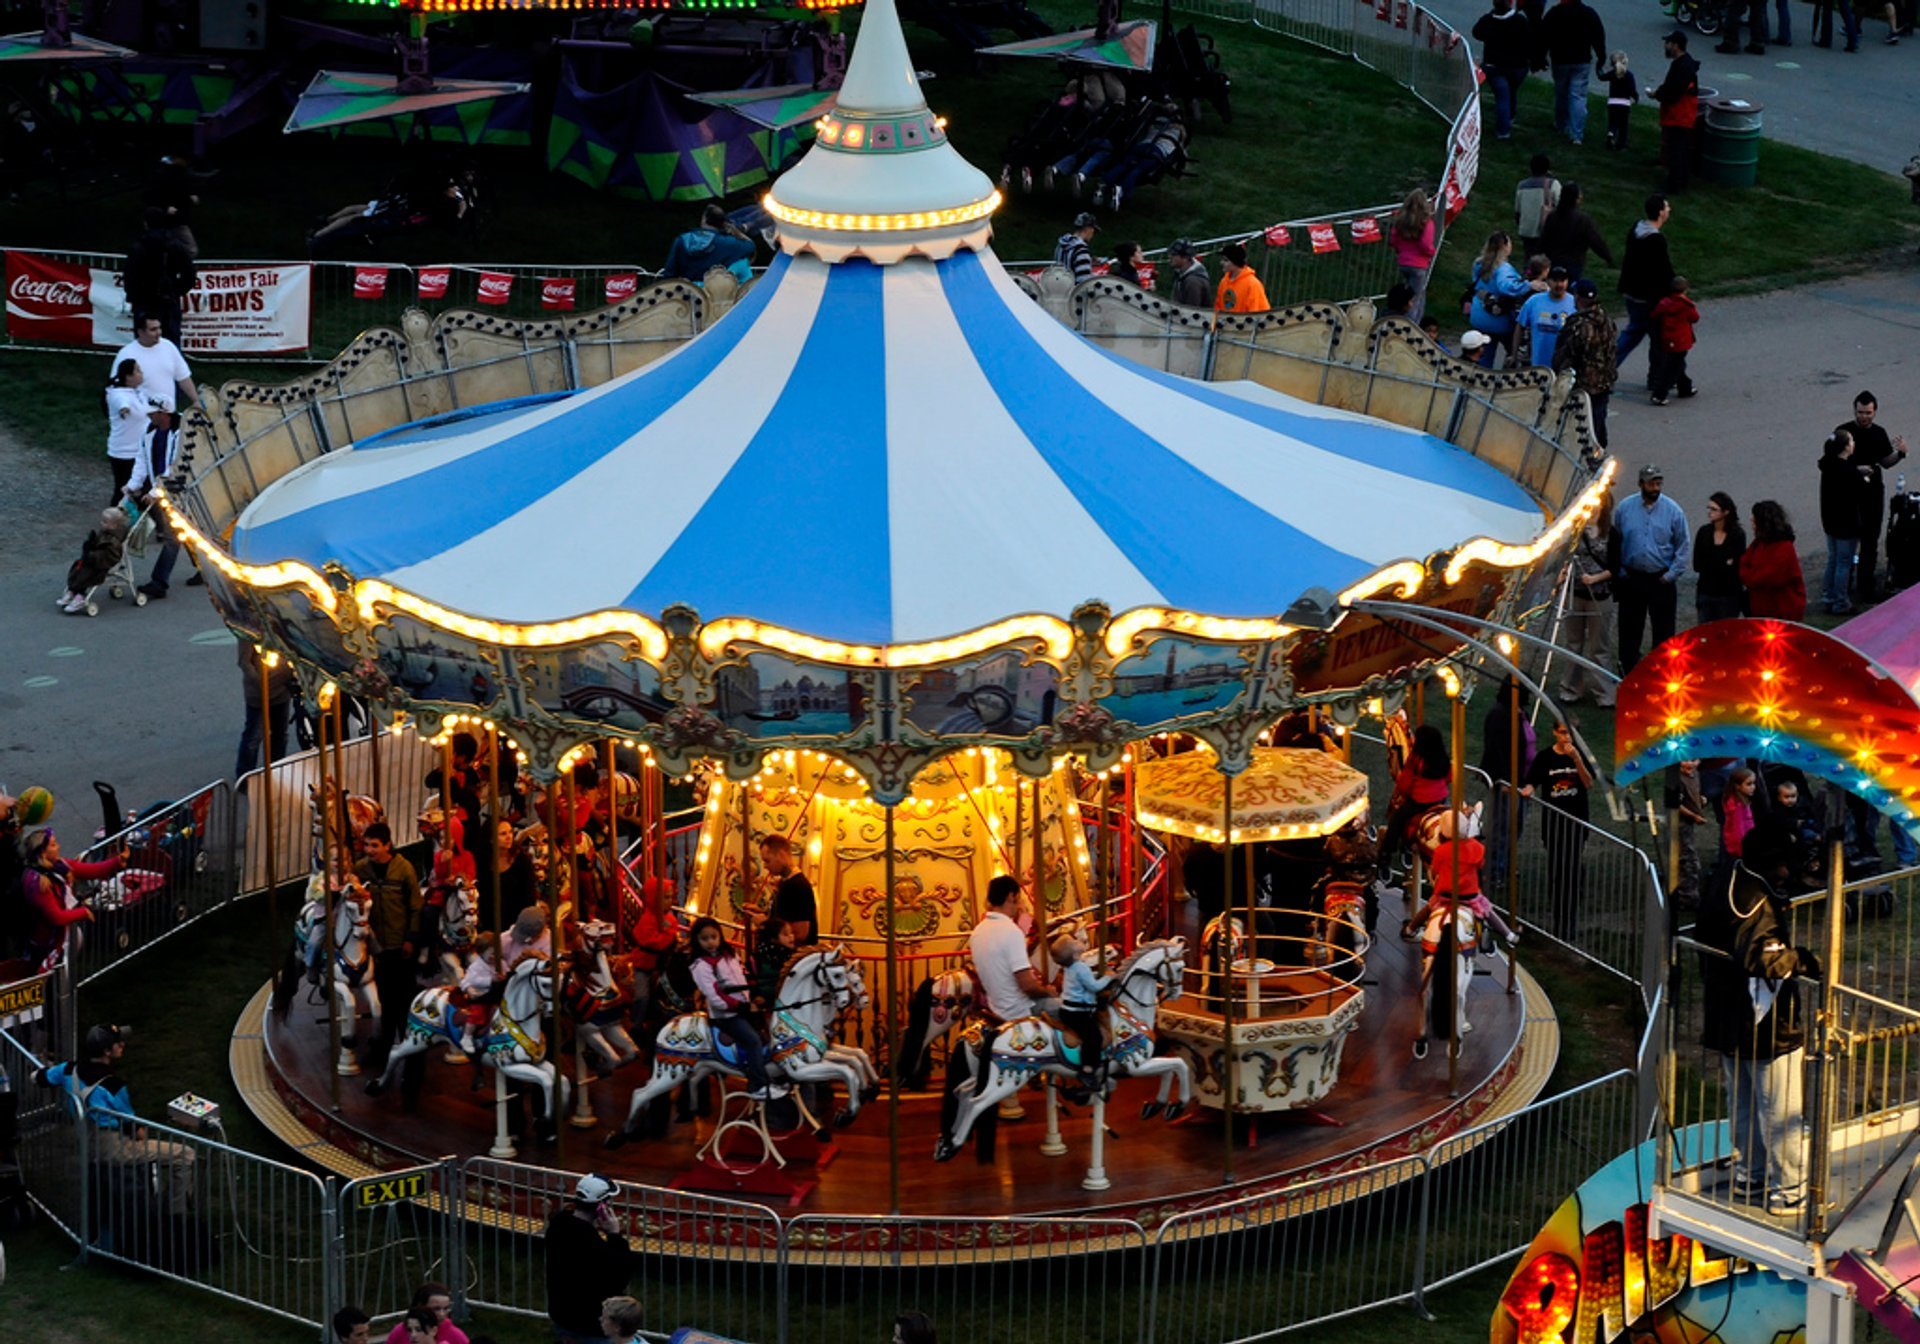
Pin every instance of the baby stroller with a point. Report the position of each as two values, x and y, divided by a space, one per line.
107 558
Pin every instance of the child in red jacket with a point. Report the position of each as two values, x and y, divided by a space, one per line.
1673 319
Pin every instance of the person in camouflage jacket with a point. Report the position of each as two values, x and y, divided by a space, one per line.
1586 348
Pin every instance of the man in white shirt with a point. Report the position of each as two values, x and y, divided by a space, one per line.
168 384
1010 987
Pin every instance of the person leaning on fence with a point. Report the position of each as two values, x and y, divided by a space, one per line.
434 1301
588 1261
352 1326
1754 1018
100 1097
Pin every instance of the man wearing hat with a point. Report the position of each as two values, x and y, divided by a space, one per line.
1074 251
1654 546
588 1260
101 1100
1544 314
1240 289
1473 344
1191 283
1588 347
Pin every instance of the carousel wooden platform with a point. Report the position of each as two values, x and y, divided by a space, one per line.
1387 1104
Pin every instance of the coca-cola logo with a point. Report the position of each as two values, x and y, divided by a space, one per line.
495 286
48 293
555 290
621 287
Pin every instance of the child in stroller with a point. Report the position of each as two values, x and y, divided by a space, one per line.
99 553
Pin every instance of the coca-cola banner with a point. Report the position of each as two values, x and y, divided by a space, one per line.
495 287
433 281
369 282
556 293
622 286
47 300
237 309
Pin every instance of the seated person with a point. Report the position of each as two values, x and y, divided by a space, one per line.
474 999
716 243
771 952
1471 855
1080 1010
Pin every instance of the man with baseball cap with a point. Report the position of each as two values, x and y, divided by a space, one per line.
101 1100
1544 314
1191 283
588 1260
1074 251
1654 547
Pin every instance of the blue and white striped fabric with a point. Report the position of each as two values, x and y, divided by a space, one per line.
885 454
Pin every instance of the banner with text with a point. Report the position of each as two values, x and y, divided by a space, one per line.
263 308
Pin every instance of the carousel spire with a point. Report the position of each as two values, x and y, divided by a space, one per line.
882 181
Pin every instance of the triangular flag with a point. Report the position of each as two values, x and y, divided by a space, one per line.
1322 238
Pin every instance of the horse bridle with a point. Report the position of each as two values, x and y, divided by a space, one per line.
820 979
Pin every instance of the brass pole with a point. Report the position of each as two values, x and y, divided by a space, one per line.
1103 871
1419 703
330 858
1232 1080
446 785
1513 818
494 814
745 907
616 884
267 855
1456 787
556 854
893 1037
1019 827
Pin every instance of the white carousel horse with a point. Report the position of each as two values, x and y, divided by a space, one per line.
817 987
351 975
1022 1050
515 1042
459 917
1450 932
597 994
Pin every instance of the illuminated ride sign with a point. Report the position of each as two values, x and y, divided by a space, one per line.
1592 1275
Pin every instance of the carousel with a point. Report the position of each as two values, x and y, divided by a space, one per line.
885 587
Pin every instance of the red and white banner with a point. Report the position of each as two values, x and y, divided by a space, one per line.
434 281
495 287
369 282
1323 238
1277 235
1149 274
556 293
1366 229
622 287
259 309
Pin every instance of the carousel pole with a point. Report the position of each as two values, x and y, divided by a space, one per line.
329 858
1096 1177
1052 1143
1103 870
343 816
561 803
446 784
1419 703
616 872
1457 786
1231 1081
493 841
1513 818
893 1035
267 659
1019 827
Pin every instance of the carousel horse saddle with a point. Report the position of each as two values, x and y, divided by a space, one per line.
1065 1040
727 1052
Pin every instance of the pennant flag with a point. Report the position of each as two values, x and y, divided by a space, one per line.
369 282
1323 239
1455 201
495 287
1277 235
1400 13
1365 229
434 280
1149 274
556 293
622 287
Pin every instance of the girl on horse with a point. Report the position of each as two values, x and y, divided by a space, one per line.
1472 854
722 984
477 998
1422 784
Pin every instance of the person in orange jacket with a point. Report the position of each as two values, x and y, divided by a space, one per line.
1673 322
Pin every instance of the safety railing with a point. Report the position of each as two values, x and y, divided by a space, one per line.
176 868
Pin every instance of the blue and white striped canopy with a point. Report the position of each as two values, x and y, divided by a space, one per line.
886 454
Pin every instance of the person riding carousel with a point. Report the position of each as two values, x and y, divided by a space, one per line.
1080 1006
772 950
1446 898
46 886
477 994
722 984
1420 786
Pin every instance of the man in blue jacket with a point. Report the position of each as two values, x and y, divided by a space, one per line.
715 244
101 1100
1654 547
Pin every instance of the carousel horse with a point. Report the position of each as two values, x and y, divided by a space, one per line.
1024 1049
352 971
597 989
453 936
515 1043
817 987
1449 934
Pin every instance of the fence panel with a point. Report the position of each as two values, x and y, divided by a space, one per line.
46 1145
1075 1280
1491 1188
395 1231
710 1262
1258 1267
178 867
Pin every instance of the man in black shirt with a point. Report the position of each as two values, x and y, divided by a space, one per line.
1873 451
1575 41
588 1261
1559 777
793 897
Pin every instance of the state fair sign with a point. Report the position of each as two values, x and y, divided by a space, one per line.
264 308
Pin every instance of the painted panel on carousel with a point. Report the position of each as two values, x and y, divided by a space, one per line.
1593 1275
1175 678
306 632
433 665
1001 695
1363 646
601 685
772 696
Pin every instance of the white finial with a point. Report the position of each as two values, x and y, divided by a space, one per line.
881 180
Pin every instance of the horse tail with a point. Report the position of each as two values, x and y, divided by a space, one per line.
916 1056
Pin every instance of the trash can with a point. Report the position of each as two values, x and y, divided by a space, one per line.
1730 144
